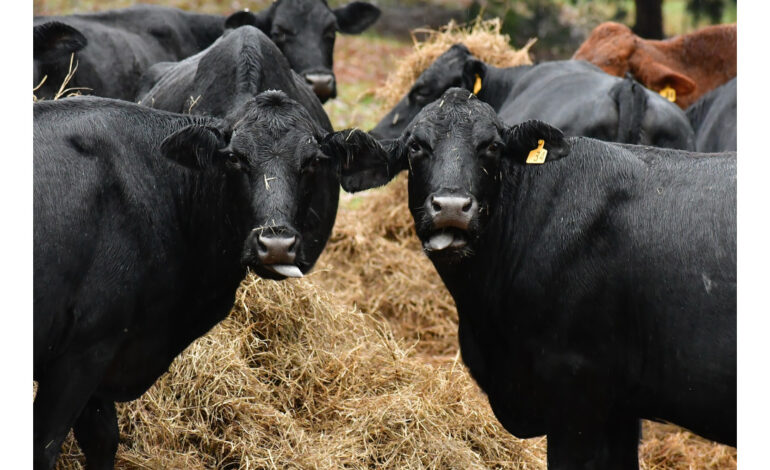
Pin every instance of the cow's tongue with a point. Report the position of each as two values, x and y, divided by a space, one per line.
288 270
439 241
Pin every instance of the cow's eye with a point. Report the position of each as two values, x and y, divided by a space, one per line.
494 147
233 158
415 147
330 33
421 94
315 162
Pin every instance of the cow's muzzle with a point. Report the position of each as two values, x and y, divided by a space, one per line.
323 85
450 215
276 251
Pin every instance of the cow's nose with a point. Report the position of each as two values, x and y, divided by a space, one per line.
321 83
451 211
276 249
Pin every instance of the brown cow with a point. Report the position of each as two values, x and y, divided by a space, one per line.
692 64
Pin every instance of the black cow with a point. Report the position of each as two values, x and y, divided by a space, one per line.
575 96
305 30
239 65
714 119
114 48
594 289
145 222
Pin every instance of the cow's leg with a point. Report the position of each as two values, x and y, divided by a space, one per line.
610 444
63 391
96 430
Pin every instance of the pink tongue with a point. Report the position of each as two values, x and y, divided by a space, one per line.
288 270
440 241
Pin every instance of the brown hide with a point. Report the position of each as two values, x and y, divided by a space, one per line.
692 64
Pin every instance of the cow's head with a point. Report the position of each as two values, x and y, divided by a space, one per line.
305 30
614 48
456 67
54 44
456 151
282 172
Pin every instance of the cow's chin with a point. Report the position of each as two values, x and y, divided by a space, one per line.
447 245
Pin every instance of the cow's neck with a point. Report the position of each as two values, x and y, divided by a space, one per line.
209 211
498 83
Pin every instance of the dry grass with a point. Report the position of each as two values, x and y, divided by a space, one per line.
482 38
295 378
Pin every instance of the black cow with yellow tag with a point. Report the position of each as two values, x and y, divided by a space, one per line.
595 282
575 96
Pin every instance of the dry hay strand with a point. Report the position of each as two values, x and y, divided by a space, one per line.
481 37
374 260
63 91
296 379
667 446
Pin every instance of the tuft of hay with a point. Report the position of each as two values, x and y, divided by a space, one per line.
374 261
481 37
294 378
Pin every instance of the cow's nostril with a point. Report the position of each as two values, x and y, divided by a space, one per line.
468 205
436 206
261 245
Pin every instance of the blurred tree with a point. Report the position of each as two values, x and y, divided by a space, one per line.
649 19
711 9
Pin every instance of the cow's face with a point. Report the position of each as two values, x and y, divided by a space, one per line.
54 45
453 150
454 68
456 151
304 30
282 172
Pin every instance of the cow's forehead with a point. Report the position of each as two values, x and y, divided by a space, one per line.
308 9
457 111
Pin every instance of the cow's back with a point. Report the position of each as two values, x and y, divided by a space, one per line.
581 100
123 44
714 119
218 80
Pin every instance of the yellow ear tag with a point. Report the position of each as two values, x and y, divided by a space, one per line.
668 93
477 85
537 155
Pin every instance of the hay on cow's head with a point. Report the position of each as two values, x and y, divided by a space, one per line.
481 37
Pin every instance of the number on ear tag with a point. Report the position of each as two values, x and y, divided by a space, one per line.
668 93
537 155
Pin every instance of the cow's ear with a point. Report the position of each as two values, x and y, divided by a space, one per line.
54 40
355 17
365 162
657 77
474 74
523 143
260 20
193 146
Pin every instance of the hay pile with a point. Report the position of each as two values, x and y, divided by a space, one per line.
482 38
294 378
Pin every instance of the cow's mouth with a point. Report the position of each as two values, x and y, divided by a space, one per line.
277 272
287 270
446 241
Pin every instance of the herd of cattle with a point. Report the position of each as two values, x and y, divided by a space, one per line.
574 214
